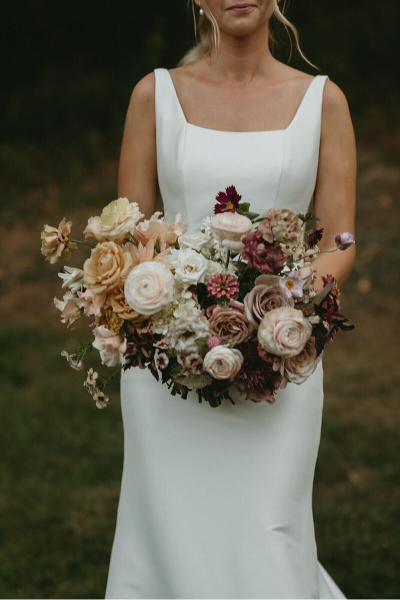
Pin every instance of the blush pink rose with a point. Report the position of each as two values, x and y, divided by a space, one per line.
284 331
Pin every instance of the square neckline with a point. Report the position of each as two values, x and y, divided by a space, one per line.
187 124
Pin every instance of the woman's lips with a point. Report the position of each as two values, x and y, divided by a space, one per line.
241 8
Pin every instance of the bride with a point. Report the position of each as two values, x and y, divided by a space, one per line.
217 502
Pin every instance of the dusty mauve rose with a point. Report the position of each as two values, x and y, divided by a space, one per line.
284 331
299 368
263 298
229 323
149 287
228 228
118 218
110 346
286 226
222 362
107 265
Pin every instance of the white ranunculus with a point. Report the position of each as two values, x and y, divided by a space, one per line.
284 331
149 287
118 218
191 268
222 362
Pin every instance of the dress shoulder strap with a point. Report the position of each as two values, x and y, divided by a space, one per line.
167 103
310 109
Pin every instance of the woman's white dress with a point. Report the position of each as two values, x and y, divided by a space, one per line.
217 502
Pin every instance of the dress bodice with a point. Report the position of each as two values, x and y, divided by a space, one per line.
268 168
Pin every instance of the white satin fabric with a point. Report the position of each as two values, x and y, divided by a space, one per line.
217 502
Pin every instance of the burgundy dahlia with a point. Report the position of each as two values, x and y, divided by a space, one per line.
227 201
263 256
314 236
223 284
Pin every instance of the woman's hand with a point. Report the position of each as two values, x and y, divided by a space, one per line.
137 178
335 191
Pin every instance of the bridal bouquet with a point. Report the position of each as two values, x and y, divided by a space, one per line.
231 306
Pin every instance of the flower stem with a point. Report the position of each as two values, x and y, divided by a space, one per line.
84 242
227 259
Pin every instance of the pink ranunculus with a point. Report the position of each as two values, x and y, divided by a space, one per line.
222 362
110 346
149 287
262 299
284 331
344 240
229 227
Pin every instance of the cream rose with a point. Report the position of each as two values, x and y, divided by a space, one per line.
298 369
110 346
284 331
222 362
191 268
118 218
229 227
105 268
149 287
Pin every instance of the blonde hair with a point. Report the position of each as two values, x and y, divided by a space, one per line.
208 35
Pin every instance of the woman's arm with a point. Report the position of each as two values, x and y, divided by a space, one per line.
137 178
335 191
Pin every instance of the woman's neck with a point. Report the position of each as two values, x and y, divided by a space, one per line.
244 58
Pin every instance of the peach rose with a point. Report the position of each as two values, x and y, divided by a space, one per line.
298 369
229 227
149 287
105 268
118 218
110 346
116 299
284 331
222 362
